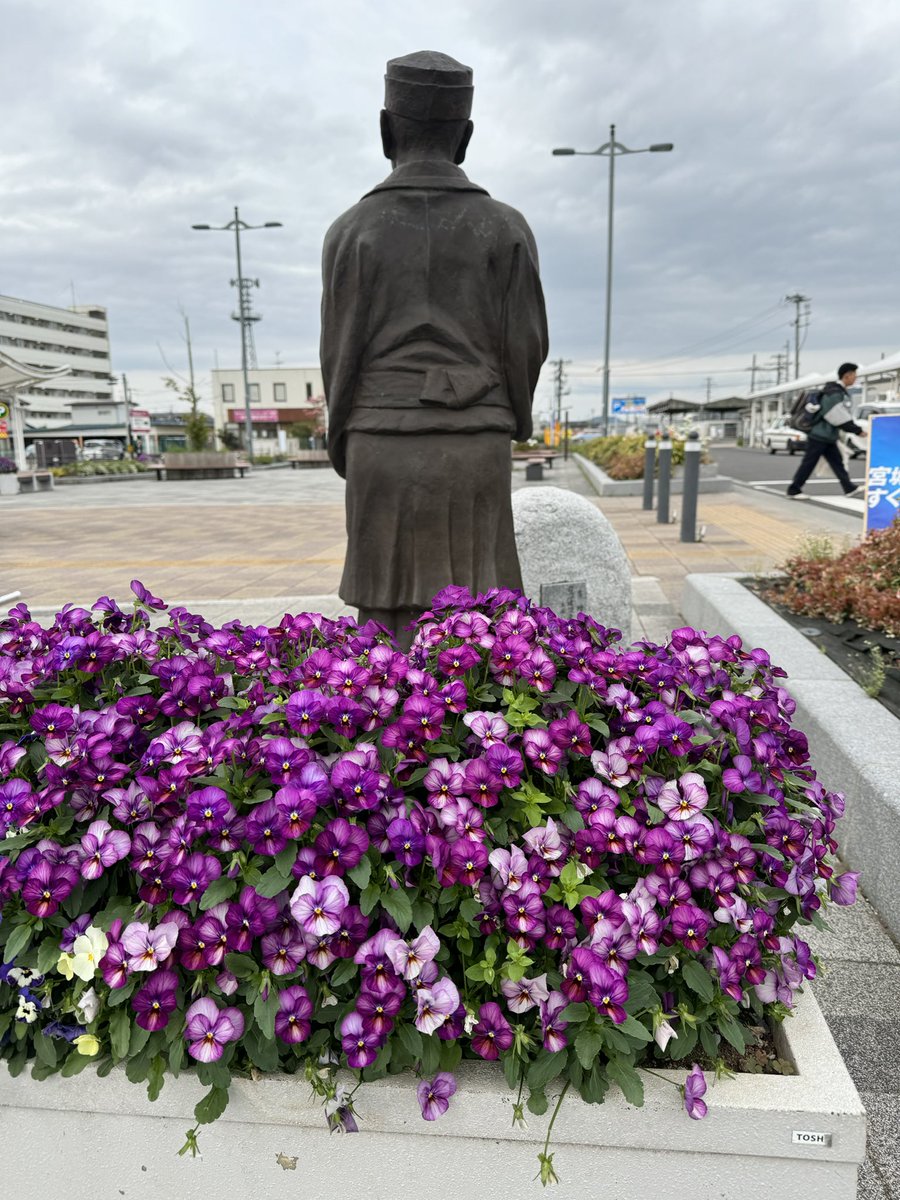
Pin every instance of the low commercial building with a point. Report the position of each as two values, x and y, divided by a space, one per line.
281 398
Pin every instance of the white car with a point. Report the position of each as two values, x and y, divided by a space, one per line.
780 436
856 445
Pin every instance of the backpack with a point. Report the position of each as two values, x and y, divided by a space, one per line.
806 412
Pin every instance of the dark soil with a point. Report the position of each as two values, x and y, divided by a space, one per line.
870 658
759 1058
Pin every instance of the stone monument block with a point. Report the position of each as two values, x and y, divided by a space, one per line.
572 557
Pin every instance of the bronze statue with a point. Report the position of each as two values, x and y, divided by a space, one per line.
433 334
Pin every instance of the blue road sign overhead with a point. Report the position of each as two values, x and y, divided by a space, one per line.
883 472
618 406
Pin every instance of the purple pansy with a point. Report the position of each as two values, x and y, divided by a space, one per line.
434 1095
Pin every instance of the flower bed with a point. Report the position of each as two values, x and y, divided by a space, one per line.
622 455
296 849
853 598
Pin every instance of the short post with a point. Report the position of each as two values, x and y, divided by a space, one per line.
566 441
649 468
691 487
665 475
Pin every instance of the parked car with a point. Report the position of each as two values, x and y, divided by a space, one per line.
780 436
96 450
856 445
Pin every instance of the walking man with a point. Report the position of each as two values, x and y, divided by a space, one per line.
835 417
433 334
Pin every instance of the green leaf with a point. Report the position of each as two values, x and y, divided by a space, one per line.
411 1039
595 1085
138 1040
423 914
709 1040
219 890
398 904
45 1049
622 1072
345 970
431 1054
286 858
119 1033
575 1012
451 1055
263 1053
176 1055
681 1046
272 882
545 1067
362 873
635 1029
698 979
733 1033
241 965
156 1078
74 1064
537 1102
369 898
211 1107
642 995
47 956
511 1067
264 1011
587 1047
17 940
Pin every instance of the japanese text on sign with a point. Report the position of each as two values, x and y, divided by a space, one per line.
883 473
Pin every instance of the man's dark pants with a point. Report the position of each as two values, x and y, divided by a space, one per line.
816 449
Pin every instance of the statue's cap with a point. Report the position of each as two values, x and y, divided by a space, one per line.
428 86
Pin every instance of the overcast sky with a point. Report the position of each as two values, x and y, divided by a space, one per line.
126 123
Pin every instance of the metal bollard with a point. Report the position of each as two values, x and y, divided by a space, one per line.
649 468
665 475
691 488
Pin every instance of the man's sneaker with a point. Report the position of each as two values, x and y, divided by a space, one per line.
797 496
857 491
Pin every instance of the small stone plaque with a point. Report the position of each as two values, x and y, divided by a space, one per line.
808 1137
566 599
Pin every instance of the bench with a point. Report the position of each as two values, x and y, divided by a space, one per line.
546 457
201 464
42 480
309 458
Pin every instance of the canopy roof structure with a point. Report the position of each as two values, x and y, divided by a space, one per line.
15 374
881 367
674 406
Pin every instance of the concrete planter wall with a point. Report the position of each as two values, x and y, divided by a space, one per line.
9 484
604 486
84 1138
854 741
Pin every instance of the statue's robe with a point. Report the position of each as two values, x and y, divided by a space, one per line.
433 335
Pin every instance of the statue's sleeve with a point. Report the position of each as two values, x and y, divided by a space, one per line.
525 336
343 332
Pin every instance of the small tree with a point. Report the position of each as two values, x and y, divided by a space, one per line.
195 423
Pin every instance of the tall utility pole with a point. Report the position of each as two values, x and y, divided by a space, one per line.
798 300
752 369
244 317
708 388
559 390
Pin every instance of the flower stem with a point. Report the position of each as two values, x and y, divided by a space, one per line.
568 1084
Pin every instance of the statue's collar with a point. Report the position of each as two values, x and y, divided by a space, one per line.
437 174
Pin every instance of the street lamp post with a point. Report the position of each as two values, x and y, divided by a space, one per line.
611 149
244 318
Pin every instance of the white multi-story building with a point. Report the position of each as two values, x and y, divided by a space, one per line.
78 338
280 397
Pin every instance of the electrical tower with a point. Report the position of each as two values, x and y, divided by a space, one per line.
246 318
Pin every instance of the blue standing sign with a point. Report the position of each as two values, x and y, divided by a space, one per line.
883 472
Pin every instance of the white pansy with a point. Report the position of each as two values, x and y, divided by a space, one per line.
87 951
88 1006
27 1011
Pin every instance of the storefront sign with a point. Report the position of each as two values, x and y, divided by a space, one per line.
883 472
140 420
269 415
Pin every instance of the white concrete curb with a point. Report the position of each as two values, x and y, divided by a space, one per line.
745 1147
604 486
854 741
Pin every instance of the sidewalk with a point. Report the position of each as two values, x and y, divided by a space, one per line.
274 543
